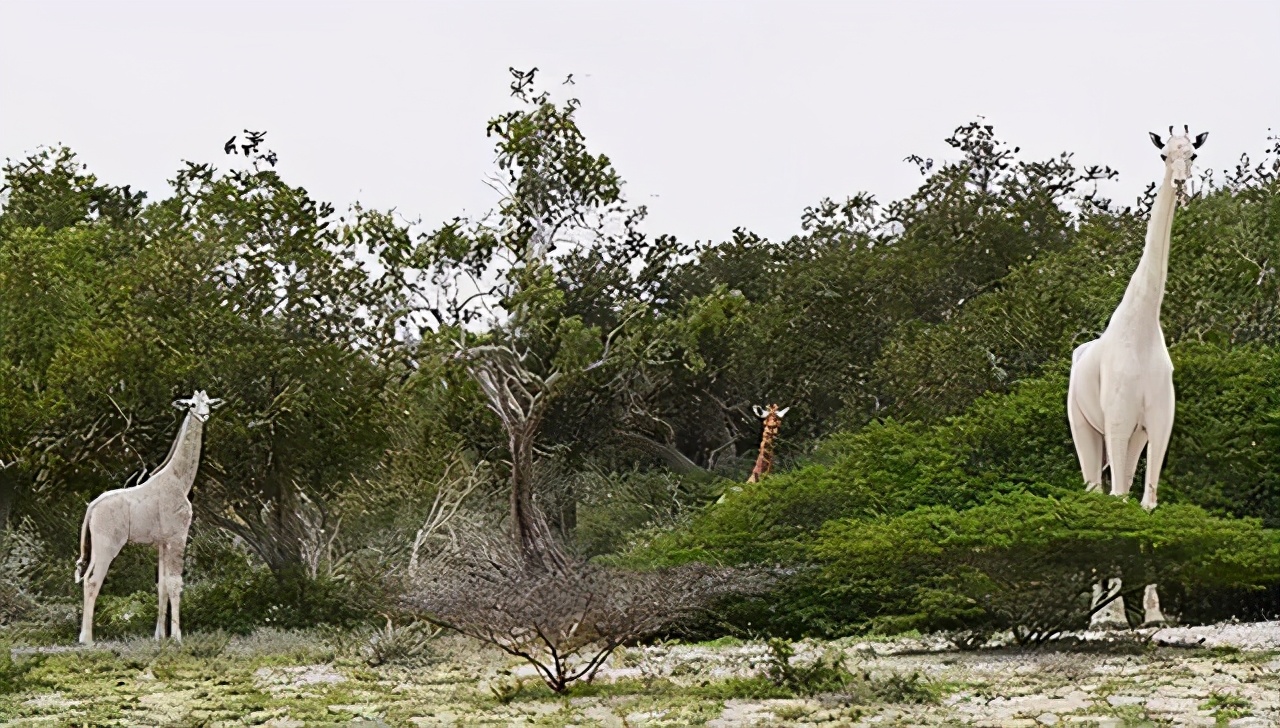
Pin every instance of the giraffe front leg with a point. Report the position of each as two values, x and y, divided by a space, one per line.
1110 616
173 586
1160 428
162 591
1118 456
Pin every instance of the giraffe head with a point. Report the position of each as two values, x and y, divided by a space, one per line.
199 405
772 415
1178 151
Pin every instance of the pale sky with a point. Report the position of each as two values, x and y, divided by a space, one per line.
718 114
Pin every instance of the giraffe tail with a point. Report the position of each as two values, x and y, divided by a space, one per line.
86 543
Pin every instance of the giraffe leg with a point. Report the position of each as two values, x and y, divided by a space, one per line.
1112 615
104 552
173 585
163 608
1089 449
1136 443
1118 437
1160 427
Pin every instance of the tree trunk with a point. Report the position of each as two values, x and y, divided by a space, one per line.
529 525
8 492
273 529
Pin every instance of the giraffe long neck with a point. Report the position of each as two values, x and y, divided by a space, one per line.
184 456
1140 307
764 460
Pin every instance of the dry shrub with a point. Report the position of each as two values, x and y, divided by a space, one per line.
566 620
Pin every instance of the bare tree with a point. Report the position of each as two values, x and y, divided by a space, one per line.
439 529
565 621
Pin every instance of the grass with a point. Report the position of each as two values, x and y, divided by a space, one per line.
321 679
1226 706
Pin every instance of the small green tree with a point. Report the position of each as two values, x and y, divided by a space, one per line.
556 196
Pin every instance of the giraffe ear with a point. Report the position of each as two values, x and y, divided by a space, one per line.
1155 139
1200 139
782 412
760 412
215 403
182 403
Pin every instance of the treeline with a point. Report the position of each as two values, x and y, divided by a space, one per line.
920 344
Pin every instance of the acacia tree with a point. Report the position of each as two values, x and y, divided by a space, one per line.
502 271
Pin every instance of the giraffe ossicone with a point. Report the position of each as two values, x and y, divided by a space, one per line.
156 511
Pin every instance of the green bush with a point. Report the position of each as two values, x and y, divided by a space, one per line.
826 674
888 481
256 597
115 617
14 674
613 507
1026 563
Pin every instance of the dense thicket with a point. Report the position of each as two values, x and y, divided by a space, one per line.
599 380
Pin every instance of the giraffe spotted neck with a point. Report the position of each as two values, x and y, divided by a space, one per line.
764 461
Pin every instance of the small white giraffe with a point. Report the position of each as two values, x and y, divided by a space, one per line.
154 512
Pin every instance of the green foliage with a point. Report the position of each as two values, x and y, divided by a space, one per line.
922 344
1219 290
902 490
14 674
1226 706
257 596
205 645
615 509
1027 563
826 674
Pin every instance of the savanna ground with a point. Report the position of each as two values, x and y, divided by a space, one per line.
1171 677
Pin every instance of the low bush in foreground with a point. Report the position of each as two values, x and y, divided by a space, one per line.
565 620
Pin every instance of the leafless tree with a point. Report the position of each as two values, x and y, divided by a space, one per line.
438 536
566 620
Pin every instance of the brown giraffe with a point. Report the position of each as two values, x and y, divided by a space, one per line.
772 421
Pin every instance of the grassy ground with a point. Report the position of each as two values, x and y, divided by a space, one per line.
297 679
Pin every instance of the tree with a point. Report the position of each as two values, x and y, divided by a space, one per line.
240 284
63 236
555 195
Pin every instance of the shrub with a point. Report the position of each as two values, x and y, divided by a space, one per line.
239 601
826 674
205 645
1027 563
405 643
14 674
115 617
565 621
18 554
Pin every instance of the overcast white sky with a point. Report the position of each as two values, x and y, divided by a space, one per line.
718 114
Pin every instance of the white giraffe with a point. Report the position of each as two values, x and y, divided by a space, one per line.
156 512
1120 397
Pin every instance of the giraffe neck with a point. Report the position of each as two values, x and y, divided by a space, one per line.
184 456
1139 310
764 460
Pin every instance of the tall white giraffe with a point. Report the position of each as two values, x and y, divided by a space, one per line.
156 512
1120 397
